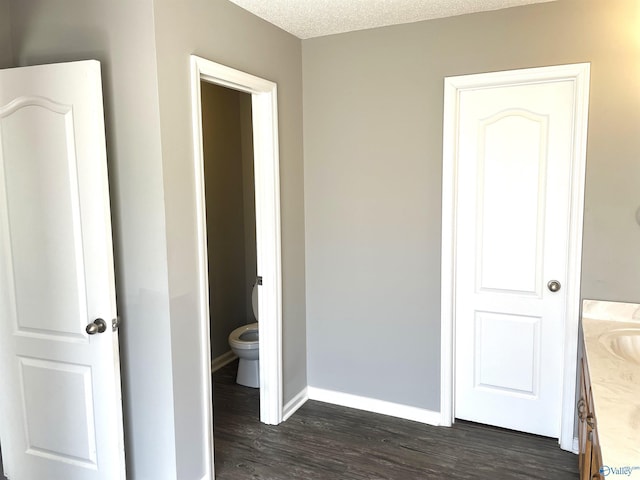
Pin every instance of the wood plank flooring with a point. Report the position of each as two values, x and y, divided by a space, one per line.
327 442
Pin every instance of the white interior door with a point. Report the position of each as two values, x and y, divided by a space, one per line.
514 178
61 411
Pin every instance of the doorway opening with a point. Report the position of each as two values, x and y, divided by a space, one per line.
469 289
230 211
263 100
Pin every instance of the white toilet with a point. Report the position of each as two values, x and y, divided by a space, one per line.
244 343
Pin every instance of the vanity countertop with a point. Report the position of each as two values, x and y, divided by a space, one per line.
615 383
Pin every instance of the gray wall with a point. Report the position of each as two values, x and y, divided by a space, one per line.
120 34
373 107
222 32
6 57
228 221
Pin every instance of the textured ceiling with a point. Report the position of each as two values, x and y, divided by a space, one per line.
315 18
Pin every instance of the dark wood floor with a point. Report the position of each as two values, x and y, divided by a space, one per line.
328 442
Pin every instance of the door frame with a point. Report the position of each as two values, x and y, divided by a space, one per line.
268 243
453 86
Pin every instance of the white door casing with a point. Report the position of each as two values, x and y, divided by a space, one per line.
513 189
61 399
268 241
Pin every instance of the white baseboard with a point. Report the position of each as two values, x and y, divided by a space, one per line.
576 445
374 405
294 404
222 360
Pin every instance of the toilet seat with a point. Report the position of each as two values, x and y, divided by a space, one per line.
251 331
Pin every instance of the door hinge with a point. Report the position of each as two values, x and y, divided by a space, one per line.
259 280
115 323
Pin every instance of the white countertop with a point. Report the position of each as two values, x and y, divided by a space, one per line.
615 383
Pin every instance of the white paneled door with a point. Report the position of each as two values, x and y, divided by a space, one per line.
515 147
60 406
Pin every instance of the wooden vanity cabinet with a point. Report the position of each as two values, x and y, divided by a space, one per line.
596 458
590 456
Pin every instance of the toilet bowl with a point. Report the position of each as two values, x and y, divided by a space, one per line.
244 343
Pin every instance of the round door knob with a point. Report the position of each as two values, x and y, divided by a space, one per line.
97 326
554 285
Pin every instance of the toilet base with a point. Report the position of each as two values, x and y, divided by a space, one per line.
248 373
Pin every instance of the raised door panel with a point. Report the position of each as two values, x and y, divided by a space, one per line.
511 188
39 176
508 367
48 416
